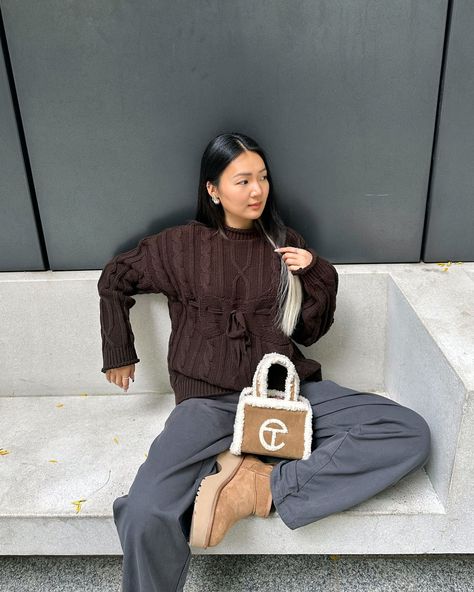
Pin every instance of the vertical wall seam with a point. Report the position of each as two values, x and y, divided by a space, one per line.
23 145
447 32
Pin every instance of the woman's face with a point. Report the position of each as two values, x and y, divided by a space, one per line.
243 182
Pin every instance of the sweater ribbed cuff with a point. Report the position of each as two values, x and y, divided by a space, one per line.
119 356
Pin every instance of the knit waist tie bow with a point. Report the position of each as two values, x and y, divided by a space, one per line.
237 331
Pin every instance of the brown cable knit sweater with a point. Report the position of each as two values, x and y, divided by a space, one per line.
221 299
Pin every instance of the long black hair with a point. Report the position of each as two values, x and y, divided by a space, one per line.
218 154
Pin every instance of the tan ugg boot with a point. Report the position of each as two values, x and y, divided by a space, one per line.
241 488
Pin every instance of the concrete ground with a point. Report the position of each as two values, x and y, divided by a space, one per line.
248 573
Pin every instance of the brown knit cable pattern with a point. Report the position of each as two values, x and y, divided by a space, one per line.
233 279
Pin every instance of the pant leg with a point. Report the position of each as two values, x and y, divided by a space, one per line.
153 520
362 444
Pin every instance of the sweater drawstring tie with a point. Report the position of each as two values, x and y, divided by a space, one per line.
237 331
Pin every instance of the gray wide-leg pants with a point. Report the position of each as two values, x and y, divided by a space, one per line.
362 444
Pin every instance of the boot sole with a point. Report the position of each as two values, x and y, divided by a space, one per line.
207 496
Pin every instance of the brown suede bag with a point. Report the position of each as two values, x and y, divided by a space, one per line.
272 422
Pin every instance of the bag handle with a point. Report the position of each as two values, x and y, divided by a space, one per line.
260 378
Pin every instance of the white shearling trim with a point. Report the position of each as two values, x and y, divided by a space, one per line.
272 399
260 376
236 445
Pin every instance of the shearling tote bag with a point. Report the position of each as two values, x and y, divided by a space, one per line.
272 422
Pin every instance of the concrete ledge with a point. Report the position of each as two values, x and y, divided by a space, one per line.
99 443
404 331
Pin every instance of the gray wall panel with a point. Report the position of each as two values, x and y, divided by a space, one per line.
119 99
450 235
19 244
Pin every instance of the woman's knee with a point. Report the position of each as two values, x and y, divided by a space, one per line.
418 428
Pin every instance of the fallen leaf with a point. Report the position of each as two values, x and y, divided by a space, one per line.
59 404
78 503
53 460
3 451
334 557
146 455
83 395
116 440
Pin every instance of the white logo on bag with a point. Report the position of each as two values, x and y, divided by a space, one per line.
274 431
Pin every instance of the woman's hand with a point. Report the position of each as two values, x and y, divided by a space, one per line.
295 258
121 376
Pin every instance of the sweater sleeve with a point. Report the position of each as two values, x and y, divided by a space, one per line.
320 283
140 270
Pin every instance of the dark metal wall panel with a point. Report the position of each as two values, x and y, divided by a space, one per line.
19 244
450 235
119 99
